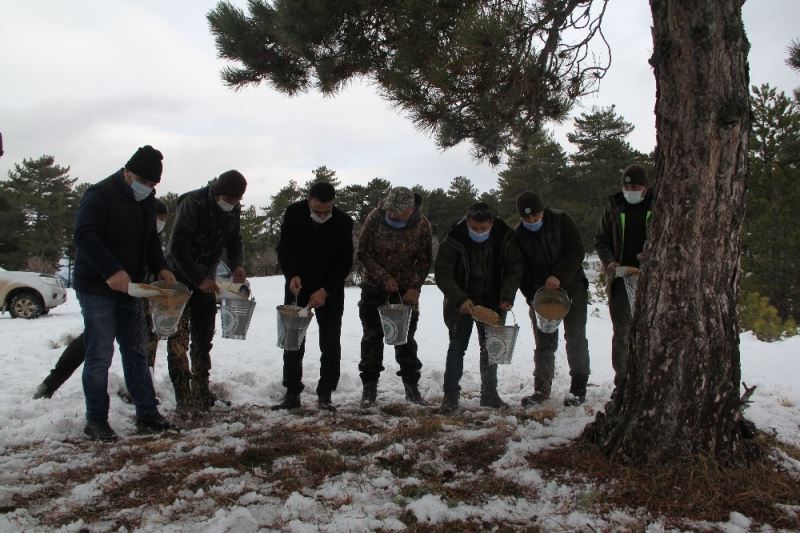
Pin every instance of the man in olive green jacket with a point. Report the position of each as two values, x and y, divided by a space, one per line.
479 263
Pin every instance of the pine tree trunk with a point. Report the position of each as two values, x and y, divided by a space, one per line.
682 394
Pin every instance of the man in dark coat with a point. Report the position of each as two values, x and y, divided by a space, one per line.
206 225
619 243
479 263
315 252
117 242
394 250
552 250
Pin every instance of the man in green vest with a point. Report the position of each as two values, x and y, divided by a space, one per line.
619 243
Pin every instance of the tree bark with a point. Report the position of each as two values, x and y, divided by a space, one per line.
682 393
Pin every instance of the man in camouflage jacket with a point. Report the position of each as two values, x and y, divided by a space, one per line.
395 252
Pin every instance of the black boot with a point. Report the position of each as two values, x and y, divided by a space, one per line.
324 399
290 401
412 393
369 395
577 390
449 403
153 424
100 431
541 394
492 399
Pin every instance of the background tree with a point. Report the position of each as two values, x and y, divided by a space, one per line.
260 258
41 192
771 241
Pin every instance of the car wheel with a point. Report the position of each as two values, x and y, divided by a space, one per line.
25 305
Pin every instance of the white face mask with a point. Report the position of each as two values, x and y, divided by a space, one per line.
140 190
160 224
225 206
320 220
633 197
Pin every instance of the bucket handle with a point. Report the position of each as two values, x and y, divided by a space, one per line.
514 316
389 297
566 295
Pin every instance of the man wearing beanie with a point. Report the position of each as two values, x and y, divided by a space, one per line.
395 252
315 252
619 243
478 264
552 252
206 225
117 242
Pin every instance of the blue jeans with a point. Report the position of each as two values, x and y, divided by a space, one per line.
106 319
459 326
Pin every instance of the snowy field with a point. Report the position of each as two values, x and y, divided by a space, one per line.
41 440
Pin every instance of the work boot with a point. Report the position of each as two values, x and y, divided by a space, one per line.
42 391
412 393
577 390
369 395
290 401
536 398
154 423
493 400
324 400
100 431
449 403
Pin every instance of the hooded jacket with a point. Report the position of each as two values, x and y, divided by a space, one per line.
115 232
202 231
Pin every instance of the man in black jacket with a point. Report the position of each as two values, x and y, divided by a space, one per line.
117 241
552 251
619 242
315 253
206 224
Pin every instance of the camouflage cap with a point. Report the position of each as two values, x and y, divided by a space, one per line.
399 199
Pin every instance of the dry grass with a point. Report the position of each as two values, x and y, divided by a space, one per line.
697 490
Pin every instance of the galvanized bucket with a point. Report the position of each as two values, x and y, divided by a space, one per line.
292 327
235 314
550 307
395 320
500 341
631 283
165 310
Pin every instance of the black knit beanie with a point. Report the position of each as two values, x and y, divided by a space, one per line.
529 203
161 208
146 163
635 175
230 183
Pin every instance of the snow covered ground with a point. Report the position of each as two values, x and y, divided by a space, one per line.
41 440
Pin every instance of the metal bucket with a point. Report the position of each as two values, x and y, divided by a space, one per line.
291 327
631 283
500 341
550 307
166 311
236 314
395 320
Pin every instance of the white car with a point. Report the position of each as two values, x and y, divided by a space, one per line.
30 294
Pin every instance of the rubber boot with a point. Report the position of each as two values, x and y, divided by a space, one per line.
369 395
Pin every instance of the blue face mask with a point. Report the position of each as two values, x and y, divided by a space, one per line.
533 226
478 237
140 190
396 224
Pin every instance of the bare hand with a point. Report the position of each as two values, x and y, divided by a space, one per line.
166 275
295 285
390 285
119 281
506 306
239 275
552 282
209 286
611 268
466 307
411 297
317 298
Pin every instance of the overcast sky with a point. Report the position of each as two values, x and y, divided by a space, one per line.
89 81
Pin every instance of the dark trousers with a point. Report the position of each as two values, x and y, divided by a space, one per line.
459 327
620 311
577 346
371 364
73 355
329 321
196 324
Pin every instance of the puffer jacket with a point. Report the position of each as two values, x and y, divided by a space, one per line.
452 265
402 253
202 231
